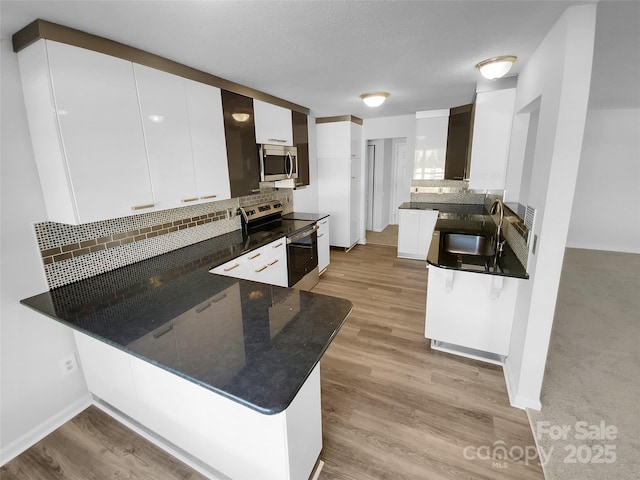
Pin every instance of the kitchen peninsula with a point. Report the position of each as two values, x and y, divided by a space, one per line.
472 287
226 370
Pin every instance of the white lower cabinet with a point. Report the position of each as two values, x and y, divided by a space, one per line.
470 310
415 229
232 440
267 264
323 244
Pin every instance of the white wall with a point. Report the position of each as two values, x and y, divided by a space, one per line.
35 397
605 215
403 126
306 199
558 75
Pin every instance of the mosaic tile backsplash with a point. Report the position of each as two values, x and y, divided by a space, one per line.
512 230
75 252
445 191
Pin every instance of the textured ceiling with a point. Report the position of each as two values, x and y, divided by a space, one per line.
324 54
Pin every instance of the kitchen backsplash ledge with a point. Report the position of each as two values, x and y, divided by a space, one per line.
75 252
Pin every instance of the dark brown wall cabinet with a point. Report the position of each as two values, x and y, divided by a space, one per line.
459 143
242 151
301 141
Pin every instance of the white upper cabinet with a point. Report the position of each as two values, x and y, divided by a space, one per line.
163 106
273 124
339 140
112 138
208 145
491 137
85 128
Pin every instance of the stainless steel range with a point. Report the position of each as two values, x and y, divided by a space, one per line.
264 222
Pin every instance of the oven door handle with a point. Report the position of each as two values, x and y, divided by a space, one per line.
302 234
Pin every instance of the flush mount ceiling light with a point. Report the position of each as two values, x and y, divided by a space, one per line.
240 117
496 67
374 99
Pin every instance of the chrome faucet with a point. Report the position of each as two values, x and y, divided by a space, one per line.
499 244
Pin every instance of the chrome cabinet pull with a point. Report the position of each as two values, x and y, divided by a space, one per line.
255 256
279 140
274 262
321 235
232 267
323 223
261 269
142 207
278 245
187 200
208 196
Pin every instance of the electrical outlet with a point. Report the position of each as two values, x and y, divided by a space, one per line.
68 365
230 213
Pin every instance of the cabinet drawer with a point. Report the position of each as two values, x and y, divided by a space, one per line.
267 264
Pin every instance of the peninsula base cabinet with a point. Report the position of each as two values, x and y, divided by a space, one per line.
470 314
230 439
415 230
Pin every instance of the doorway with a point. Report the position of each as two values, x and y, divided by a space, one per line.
380 192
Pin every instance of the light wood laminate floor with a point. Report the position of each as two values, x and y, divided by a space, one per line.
392 407
395 409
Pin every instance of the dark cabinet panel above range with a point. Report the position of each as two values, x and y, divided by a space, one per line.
242 151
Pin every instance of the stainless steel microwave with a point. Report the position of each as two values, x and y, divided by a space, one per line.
278 162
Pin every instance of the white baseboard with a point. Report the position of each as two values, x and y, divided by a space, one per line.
37 433
516 400
606 248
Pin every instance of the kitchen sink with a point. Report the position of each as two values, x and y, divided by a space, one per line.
467 244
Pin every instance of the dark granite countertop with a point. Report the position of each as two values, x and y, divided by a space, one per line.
507 265
312 217
448 208
472 219
253 343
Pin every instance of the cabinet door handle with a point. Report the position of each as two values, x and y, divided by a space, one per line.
164 332
208 196
187 200
142 207
279 140
278 245
261 269
255 256
323 223
274 262
232 267
254 190
321 235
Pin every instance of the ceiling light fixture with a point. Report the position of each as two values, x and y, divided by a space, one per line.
374 99
240 117
496 67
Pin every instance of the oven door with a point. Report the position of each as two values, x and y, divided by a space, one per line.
302 259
